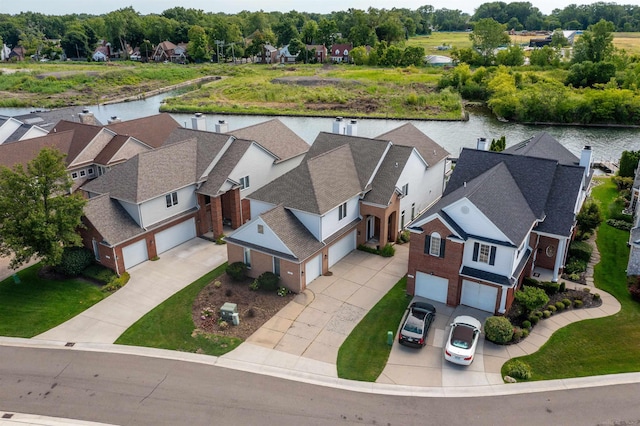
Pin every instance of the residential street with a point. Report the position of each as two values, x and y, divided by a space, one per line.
133 390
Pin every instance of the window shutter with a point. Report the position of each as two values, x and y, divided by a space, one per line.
427 244
492 256
442 241
476 248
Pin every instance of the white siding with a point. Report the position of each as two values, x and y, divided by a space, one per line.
503 262
34 132
259 207
310 221
95 146
133 210
473 221
258 165
8 128
268 239
425 185
331 222
155 210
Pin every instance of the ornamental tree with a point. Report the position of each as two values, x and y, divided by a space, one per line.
37 218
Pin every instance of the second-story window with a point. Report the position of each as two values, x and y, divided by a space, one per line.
172 199
342 211
405 189
244 182
484 253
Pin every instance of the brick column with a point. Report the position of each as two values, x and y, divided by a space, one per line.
216 216
236 209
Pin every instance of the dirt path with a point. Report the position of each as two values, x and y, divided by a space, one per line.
165 89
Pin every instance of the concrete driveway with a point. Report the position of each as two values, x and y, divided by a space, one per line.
151 283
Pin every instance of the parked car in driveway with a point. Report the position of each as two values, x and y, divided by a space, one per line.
462 341
416 324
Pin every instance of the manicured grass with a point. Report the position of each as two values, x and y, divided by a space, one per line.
37 305
170 325
605 345
365 352
457 39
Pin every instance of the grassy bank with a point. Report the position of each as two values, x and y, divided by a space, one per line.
170 325
600 346
36 305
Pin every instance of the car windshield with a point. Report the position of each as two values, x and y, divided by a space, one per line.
462 336
413 326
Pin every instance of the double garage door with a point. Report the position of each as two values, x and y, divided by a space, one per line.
342 248
136 253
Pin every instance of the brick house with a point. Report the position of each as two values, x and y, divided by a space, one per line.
502 217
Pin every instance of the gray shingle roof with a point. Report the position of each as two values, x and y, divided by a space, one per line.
384 183
209 145
274 136
292 233
21 152
111 220
221 171
543 145
318 185
410 135
561 201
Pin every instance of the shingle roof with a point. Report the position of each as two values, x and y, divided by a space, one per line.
48 119
21 152
153 130
367 153
318 185
209 145
562 200
149 174
83 134
275 137
410 135
543 145
384 183
221 171
111 220
292 232
111 149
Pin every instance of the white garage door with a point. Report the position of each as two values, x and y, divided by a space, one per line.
135 253
313 268
169 238
479 296
342 248
431 287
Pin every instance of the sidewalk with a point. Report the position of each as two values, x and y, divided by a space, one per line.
151 283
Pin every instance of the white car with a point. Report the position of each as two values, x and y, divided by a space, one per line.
463 340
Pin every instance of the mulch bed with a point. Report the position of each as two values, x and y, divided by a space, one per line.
254 307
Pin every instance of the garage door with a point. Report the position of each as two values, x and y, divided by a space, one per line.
135 253
342 248
176 235
313 268
479 296
431 287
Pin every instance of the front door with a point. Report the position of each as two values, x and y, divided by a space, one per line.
371 228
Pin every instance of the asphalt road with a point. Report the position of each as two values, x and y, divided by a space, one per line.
133 390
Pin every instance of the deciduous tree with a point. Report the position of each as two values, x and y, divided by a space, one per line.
37 219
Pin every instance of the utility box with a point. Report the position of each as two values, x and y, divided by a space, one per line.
227 311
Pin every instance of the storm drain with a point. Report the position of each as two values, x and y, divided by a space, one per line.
7 415
70 344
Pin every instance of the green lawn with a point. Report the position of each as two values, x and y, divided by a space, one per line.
365 352
37 305
600 346
457 39
170 325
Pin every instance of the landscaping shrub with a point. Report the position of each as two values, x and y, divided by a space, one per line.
531 298
567 303
526 324
559 306
580 250
368 249
549 287
387 251
596 296
620 224
117 282
529 281
546 313
533 319
268 281
237 271
525 332
517 333
563 287
577 303
498 330
74 261
99 273
518 369
254 286
589 217
283 291
575 266
552 308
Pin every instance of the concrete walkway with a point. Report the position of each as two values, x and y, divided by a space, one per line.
151 283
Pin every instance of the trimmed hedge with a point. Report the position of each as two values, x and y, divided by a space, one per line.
74 261
498 330
518 369
268 281
237 271
580 250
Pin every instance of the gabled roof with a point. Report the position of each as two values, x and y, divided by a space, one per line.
292 232
153 130
22 152
384 183
515 190
318 185
223 168
47 119
107 153
275 137
111 219
410 135
543 145
209 145
150 174
366 153
83 134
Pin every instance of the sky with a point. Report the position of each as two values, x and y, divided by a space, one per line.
63 7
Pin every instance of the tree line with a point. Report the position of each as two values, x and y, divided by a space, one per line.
246 31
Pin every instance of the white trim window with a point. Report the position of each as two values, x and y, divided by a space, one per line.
247 257
171 199
342 211
484 253
434 246
405 189
74 175
244 182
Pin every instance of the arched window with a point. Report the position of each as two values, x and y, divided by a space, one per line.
435 246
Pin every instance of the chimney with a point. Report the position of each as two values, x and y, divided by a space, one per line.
198 122
585 159
222 126
114 119
352 128
86 116
482 144
339 126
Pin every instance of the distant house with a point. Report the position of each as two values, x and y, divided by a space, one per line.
17 53
101 54
268 55
285 57
340 52
167 51
4 53
320 51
